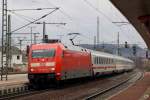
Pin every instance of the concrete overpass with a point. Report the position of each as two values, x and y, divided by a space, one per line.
138 13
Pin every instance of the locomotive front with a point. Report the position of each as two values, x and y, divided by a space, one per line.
43 60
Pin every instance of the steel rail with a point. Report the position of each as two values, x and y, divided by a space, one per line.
97 93
30 91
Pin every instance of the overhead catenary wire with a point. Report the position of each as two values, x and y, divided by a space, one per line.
35 20
107 17
30 9
62 11
68 16
122 23
27 18
100 12
22 16
96 9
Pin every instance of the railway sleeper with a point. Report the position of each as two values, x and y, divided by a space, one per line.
7 91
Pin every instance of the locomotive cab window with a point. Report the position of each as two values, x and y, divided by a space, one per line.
43 53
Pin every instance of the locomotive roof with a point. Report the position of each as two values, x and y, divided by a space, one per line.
46 45
78 48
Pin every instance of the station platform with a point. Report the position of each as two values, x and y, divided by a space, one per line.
14 80
138 91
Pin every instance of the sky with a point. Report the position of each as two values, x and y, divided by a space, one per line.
80 16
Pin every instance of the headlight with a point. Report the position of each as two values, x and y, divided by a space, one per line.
35 64
50 64
52 69
32 70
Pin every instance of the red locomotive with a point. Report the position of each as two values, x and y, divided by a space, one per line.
54 62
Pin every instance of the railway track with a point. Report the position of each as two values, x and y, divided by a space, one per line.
71 92
138 76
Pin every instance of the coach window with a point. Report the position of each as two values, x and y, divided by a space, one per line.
104 60
97 60
18 57
100 60
94 60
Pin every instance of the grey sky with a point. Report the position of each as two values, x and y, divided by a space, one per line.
79 16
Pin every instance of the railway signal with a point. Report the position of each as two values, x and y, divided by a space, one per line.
147 54
134 50
126 44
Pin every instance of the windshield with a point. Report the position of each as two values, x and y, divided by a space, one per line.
43 53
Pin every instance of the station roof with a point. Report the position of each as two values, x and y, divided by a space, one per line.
133 10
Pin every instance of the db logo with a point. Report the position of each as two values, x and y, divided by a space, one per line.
42 64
